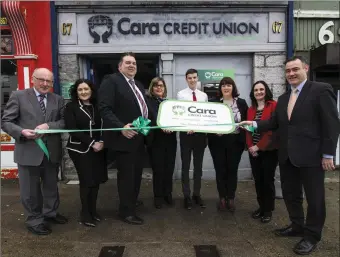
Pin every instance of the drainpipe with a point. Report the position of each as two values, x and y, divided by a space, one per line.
54 40
290 29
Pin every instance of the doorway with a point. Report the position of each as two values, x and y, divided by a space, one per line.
98 66
147 67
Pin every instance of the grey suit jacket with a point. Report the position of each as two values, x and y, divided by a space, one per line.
23 112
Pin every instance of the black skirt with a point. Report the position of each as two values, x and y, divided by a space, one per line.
91 167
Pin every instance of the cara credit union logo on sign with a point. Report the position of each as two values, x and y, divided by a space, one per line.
214 75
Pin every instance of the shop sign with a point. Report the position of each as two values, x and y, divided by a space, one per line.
326 35
214 75
171 28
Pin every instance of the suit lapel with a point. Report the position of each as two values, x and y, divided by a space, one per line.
131 94
302 96
51 105
34 101
285 100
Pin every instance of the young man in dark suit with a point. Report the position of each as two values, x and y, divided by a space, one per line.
307 124
121 99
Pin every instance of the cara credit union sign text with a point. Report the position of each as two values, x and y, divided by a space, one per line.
155 28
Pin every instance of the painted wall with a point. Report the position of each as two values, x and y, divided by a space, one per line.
38 20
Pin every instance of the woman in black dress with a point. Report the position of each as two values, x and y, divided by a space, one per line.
86 149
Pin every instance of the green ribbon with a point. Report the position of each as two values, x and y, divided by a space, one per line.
140 124
43 147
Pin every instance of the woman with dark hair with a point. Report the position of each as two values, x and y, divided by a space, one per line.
162 146
226 149
86 149
262 151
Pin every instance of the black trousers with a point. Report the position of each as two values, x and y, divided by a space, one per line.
129 177
195 145
312 180
263 168
88 198
162 158
226 157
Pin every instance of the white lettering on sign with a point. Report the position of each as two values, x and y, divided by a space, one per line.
325 35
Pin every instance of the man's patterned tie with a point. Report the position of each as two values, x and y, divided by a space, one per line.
42 104
140 99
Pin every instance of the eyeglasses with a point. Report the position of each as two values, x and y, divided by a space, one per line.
43 80
157 85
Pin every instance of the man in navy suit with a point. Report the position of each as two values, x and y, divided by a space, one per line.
307 124
121 99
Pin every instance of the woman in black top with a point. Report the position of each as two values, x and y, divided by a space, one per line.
162 146
86 149
226 149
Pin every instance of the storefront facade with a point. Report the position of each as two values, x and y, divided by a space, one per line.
247 42
25 45
317 38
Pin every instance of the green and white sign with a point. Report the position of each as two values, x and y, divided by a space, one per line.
65 90
214 75
204 117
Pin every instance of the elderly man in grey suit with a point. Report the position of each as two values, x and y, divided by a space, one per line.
26 111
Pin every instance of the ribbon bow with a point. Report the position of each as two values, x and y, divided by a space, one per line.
142 125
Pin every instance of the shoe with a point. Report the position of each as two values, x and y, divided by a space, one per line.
222 205
158 202
88 223
133 220
231 205
198 200
168 199
139 203
97 217
266 218
187 203
40 230
257 214
288 232
58 219
304 247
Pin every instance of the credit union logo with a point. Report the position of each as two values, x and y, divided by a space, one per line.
178 110
100 26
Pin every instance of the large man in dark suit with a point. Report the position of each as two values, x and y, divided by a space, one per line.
121 99
27 110
307 124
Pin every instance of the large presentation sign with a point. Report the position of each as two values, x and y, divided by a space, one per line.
197 116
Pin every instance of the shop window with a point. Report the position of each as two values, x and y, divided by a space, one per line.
9 80
7 46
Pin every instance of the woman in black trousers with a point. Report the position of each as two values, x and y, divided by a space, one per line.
226 149
262 148
86 149
162 146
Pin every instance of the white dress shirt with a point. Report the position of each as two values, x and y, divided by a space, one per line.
186 95
140 94
38 97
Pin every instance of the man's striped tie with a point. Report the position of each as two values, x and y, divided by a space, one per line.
42 104
140 99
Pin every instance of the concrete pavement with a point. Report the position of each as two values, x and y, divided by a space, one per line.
169 232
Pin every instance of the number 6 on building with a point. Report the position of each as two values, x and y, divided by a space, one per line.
324 31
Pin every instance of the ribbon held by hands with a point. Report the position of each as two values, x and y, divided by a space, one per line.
140 124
